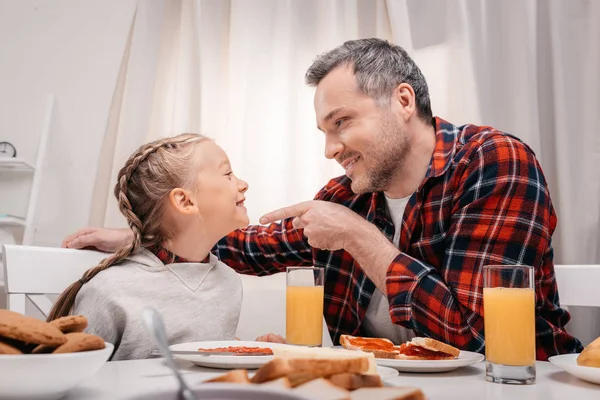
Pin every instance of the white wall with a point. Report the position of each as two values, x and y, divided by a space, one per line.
73 49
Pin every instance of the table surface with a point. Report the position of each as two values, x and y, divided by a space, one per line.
129 379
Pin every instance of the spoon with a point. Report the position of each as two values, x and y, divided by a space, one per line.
156 327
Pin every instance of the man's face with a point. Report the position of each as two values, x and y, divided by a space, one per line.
367 139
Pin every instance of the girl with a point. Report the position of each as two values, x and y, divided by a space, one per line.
172 192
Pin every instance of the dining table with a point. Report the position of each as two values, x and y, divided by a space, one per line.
134 379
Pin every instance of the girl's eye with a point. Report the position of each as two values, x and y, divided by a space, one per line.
229 174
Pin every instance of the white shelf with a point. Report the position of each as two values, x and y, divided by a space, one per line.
11 221
15 164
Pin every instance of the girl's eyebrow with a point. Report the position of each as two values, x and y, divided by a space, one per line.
224 163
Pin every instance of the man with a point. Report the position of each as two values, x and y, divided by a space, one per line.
423 207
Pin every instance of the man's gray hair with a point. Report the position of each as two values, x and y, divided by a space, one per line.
379 67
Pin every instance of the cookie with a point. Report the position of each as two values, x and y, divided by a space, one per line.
43 349
30 330
23 347
6 348
79 341
70 323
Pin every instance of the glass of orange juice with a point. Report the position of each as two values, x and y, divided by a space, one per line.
509 323
304 305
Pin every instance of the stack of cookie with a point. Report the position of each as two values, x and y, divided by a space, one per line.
25 335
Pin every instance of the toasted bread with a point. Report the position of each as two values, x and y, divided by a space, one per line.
417 349
380 347
327 367
590 356
350 381
282 383
594 344
388 393
234 376
322 389
435 345
274 369
327 361
301 377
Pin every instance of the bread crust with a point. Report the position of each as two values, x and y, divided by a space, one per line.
435 345
355 381
347 342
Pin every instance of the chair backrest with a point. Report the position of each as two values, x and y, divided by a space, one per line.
32 272
578 285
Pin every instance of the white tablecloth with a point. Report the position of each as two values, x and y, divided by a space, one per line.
128 379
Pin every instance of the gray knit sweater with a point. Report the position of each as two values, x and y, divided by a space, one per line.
197 302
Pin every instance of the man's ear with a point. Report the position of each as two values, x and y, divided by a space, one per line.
404 97
182 201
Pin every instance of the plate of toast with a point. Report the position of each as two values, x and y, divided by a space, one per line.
418 355
585 365
323 373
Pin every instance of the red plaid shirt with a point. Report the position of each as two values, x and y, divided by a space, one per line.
484 200
168 257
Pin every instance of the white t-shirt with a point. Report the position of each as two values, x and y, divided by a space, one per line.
377 322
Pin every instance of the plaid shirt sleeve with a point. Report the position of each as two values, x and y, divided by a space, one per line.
502 214
263 250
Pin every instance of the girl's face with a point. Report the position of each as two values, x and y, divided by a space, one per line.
219 194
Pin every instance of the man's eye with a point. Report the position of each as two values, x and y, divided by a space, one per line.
339 122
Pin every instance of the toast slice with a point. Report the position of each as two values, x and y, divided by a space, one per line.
234 376
274 369
301 377
355 381
388 393
322 389
420 348
380 347
281 383
327 361
304 369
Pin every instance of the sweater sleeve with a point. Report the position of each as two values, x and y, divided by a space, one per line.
105 319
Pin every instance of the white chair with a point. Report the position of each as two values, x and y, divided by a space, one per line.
33 272
578 290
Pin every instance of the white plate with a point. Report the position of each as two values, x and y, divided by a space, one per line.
387 372
225 362
464 359
568 362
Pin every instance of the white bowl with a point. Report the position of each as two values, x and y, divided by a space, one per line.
229 391
48 376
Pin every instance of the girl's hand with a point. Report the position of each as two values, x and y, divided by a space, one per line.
271 337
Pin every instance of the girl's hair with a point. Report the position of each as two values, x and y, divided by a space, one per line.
143 184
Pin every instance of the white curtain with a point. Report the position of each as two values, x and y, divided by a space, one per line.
233 70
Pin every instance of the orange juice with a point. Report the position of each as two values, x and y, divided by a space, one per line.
509 322
304 315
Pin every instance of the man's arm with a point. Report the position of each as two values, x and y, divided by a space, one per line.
502 214
264 250
255 250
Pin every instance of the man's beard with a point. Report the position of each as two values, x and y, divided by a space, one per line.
385 159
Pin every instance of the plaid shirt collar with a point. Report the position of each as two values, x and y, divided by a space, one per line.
443 153
168 257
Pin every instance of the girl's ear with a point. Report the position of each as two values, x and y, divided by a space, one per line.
182 201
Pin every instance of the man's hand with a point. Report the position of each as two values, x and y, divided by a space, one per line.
331 226
326 225
103 239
